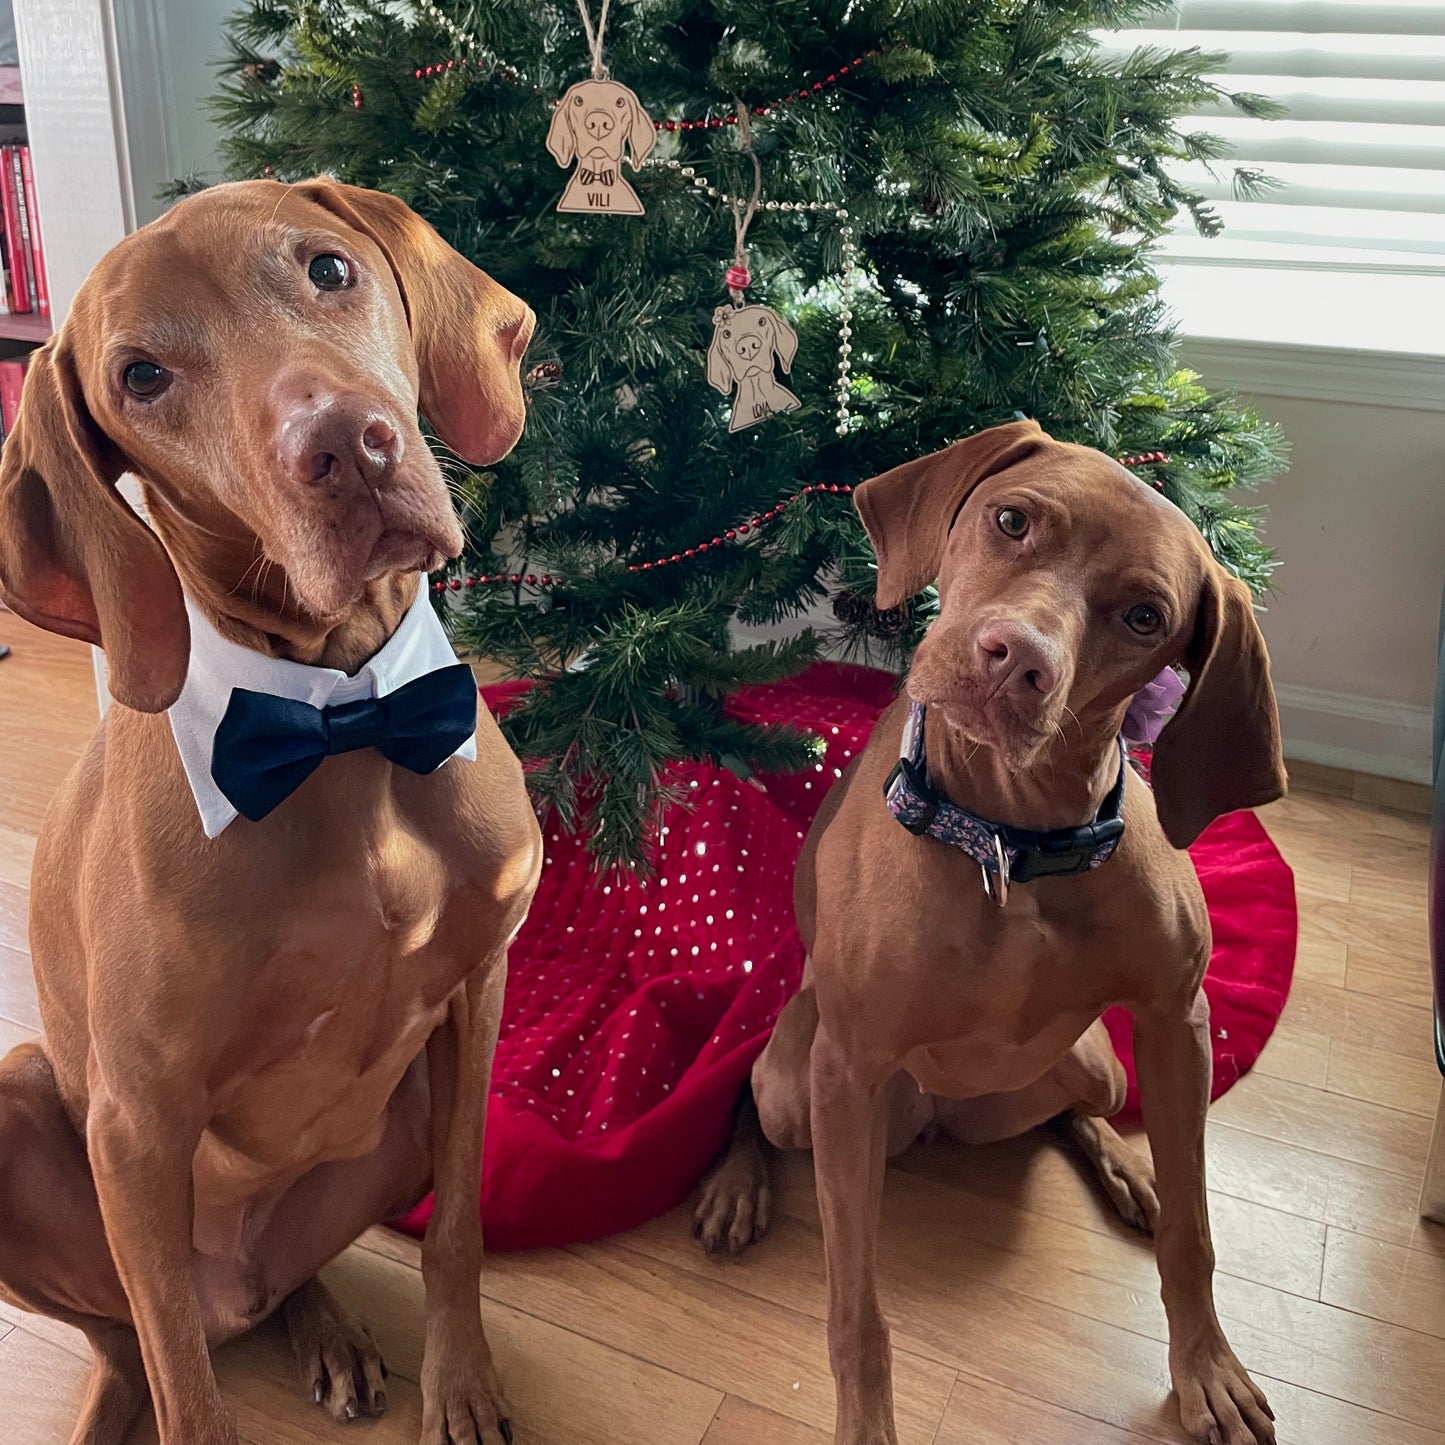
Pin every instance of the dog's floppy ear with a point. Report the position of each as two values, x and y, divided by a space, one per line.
908 511
785 342
74 558
641 133
468 332
561 138
719 365
1221 749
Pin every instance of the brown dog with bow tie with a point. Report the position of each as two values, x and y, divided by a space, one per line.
939 990
258 1044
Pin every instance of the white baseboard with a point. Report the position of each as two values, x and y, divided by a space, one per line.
1341 730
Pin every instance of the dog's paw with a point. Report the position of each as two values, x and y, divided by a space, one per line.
462 1399
1218 1402
338 1362
735 1206
1126 1175
1128 1179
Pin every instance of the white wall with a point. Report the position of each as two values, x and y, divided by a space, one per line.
166 51
1359 522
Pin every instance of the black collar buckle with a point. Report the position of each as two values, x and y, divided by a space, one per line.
1060 851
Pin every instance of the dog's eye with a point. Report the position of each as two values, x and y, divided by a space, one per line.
619 102
328 272
145 379
1012 522
1144 619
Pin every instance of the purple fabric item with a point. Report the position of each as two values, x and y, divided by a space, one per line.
1152 707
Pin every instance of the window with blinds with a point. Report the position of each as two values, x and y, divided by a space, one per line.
1358 162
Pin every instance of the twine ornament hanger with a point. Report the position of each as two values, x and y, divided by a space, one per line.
748 342
847 276
738 276
594 37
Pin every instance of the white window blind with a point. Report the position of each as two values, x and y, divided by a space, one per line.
1359 160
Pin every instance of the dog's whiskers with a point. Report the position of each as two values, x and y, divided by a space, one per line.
259 558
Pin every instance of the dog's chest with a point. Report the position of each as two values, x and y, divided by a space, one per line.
349 989
1003 1002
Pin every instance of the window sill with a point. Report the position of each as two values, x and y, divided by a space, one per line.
1365 337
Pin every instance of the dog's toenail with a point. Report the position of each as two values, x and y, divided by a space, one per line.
319 1390
351 1409
505 1426
379 1400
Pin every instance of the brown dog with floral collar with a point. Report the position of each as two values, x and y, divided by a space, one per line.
937 993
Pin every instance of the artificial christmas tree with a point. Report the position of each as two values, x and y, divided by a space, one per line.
947 206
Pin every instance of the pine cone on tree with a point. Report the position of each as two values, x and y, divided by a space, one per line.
265 70
888 623
851 608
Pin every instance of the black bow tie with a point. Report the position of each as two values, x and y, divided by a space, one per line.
266 746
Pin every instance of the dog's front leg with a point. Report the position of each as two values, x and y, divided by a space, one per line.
141 1160
849 1129
462 1399
1218 1401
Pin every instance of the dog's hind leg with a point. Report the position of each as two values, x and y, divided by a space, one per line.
117 1391
735 1206
1074 1099
54 1259
736 1200
337 1360
1125 1174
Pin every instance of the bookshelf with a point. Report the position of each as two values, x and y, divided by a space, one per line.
29 328
25 326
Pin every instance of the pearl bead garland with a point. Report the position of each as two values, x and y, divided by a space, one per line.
468 43
475 54
847 278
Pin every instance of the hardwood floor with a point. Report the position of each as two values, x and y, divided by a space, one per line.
1021 1311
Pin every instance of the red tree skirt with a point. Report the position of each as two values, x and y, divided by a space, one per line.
634 1012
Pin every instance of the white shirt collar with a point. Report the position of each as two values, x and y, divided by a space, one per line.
418 646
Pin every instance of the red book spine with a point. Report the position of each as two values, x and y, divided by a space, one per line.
17 180
12 378
14 244
37 246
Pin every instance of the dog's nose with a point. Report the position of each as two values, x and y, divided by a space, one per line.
749 346
599 124
1019 657
338 440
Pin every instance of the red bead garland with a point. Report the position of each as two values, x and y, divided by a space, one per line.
717 122
1145 459
756 524
505 72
